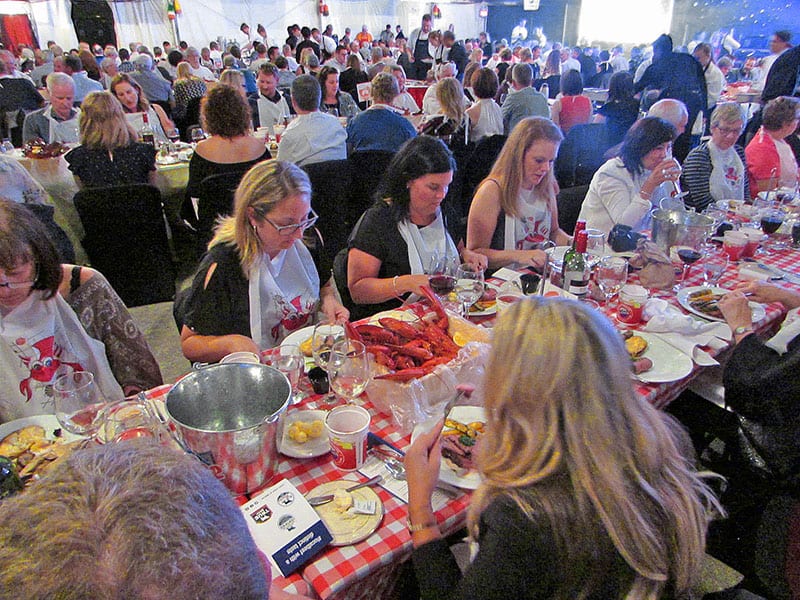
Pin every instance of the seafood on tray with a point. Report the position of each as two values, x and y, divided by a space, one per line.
409 350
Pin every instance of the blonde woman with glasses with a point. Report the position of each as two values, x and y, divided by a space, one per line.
586 492
257 259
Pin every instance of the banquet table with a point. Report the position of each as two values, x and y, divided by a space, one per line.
55 177
369 569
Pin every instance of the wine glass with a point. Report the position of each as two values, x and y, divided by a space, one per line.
688 256
348 369
713 266
174 136
612 273
441 271
325 336
771 221
79 407
468 286
288 359
198 135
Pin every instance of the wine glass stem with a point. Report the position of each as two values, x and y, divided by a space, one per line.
683 275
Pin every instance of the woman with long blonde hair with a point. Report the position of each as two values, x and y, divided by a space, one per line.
586 492
514 209
257 258
110 152
450 119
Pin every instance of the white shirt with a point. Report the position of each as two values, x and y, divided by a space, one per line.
405 101
203 73
313 137
570 64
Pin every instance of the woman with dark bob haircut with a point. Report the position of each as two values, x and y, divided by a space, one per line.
625 188
621 109
231 147
51 323
396 239
485 116
572 108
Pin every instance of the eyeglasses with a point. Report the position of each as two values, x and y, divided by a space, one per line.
728 131
288 230
18 285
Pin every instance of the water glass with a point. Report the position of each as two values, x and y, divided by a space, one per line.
469 286
713 266
289 360
612 273
78 403
595 242
128 420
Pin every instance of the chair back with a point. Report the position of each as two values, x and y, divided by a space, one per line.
370 167
215 200
331 185
569 202
477 167
191 117
126 240
581 154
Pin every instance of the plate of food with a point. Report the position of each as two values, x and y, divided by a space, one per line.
303 434
654 360
352 516
704 302
487 303
461 434
35 444
302 339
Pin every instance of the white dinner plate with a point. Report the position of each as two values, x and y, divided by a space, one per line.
462 414
487 311
347 528
313 447
48 422
757 311
169 159
669 364
298 337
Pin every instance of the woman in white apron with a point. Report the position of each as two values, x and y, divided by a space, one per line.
395 241
135 105
41 337
258 282
715 170
514 210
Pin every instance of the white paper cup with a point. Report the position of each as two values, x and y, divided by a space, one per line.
347 427
241 357
505 300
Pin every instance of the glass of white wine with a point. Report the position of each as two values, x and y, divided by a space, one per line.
348 369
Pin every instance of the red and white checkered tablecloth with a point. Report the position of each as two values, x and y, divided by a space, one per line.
369 569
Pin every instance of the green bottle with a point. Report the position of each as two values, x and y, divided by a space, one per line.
574 273
10 483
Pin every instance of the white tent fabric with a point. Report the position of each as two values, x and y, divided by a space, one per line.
201 21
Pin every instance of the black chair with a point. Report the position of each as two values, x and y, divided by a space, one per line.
478 166
165 105
368 169
215 200
126 240
331 183
569 202
190 118
581 154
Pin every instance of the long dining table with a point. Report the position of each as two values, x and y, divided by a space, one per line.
370 569
57 180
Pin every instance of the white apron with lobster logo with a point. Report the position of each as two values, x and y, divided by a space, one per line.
39 340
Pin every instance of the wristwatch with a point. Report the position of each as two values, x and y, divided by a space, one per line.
742 329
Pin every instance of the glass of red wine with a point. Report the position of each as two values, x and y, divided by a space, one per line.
688 257
771 221
441 274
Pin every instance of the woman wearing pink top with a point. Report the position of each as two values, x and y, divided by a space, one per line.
770 160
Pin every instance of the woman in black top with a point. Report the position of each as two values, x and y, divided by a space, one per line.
620 110
110 153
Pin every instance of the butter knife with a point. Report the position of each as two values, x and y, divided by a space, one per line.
319 500
775 271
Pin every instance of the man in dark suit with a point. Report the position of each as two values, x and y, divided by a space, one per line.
680 76
784 76
457 53
306 43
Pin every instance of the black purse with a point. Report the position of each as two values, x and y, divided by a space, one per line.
622 238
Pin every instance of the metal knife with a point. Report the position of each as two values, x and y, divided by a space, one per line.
318 500
775 271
